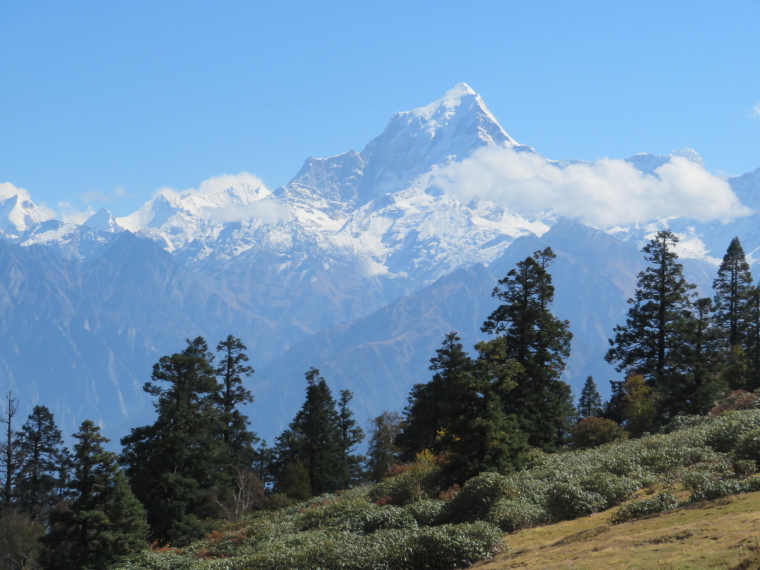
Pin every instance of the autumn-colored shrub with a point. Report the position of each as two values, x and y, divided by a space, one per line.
592 431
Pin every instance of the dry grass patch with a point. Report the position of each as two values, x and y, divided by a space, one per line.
717 534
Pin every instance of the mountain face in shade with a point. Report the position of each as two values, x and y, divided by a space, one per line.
359 266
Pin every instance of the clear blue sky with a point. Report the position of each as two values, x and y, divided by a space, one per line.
134 94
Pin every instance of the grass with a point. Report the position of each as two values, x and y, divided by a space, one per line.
724 533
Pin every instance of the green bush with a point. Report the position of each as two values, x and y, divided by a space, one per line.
511 515
748 446
427 513
477 497
613 489
659 504
591 432
568 500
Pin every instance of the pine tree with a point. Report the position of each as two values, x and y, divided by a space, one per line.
659 326
173 464
435 406
733 287
590 402
315 439
539 342
104 522
351 435
41 481
464 406
231 395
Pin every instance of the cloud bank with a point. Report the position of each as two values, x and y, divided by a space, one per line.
605 194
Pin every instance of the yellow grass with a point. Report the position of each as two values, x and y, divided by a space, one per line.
717 534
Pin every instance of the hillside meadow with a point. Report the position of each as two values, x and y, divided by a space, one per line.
684 499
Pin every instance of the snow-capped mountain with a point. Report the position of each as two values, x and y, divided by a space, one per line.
358 266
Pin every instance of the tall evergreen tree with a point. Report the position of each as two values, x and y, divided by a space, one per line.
104 523
231 371
539 342
173 464
42 474
590 402
435 406
659 325
315 440
733 287
460 413
351 435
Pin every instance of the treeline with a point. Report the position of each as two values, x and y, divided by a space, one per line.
199 461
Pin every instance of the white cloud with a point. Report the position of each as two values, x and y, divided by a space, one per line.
7 190
222 182
756 111
605 193
73 215
267 210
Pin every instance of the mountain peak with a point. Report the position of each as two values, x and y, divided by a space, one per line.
103 220
17 214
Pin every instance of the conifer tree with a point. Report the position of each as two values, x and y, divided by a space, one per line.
351 435
104 522
435 405
539 342
654 340
173 464
733 287
590 402
460 412
41 481
232 369
752 340
315 439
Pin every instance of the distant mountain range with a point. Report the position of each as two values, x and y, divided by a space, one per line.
359 266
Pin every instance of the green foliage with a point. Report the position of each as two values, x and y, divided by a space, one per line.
539 343
321 438
592 431
511 515
294 481
659 504
173 464
42 475
20 542
748 446
655 338
104 522
416 481
590 402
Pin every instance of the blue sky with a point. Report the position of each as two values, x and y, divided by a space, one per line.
102 103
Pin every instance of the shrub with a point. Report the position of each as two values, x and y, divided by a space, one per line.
613 489
591 432
736 400
659 504
477 497
511 515
568 500
426 513
748 446
414 482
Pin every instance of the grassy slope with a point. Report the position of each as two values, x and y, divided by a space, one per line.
717 534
